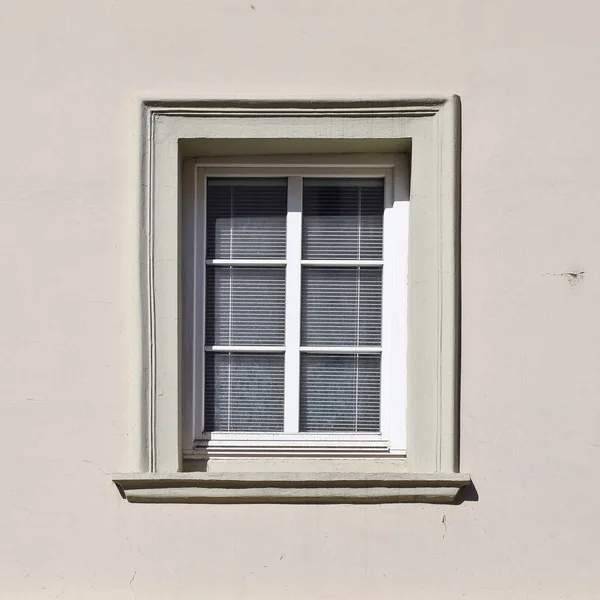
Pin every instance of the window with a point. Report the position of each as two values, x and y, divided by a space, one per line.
299 290
333 425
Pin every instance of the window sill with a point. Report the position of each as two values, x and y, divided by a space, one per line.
290 488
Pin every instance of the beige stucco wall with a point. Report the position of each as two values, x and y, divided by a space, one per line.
528 75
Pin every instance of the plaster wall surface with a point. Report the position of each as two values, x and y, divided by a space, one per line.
72 73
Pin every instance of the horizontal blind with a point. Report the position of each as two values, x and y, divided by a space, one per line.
244 392
341 306
245 305
340 392
342 219
246 218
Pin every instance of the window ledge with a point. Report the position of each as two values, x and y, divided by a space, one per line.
290 488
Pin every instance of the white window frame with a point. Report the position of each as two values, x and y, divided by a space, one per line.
391 441
430 471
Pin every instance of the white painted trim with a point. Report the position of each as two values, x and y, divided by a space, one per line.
239 445
305 436
259 349
433 125
342 263
279 437
287 161
291 421
341 349
397 243
295 171
293 263
245 262
199 299
348 453
389 379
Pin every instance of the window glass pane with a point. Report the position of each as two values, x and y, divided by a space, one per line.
339 392
342 219
341 306
245 306
246 218
243 392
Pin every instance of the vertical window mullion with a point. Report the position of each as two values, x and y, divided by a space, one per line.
292 306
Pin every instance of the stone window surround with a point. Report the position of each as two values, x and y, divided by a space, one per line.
430 472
